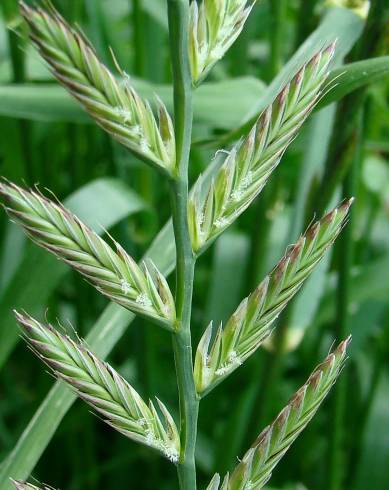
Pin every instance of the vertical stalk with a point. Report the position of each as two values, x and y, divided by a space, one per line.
178 15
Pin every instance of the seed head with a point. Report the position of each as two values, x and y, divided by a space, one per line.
255 468
99 385
252 322
250 163
141 289
213 28
115 106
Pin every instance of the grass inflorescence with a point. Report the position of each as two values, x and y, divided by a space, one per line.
114 105
99 385
255 468
114 273
249 164
252 321
200 33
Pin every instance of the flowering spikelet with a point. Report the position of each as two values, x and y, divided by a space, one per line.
255 468
213 27
251 323
99 385
214 484
114 273
115 106
249 164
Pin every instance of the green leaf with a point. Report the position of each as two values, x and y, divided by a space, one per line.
353 76
225 104
47 103
116 201
39 273
222 104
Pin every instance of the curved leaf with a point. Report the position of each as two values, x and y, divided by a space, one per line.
353 76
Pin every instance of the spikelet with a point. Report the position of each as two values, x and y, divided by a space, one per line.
99 385
251 323
214 26
255 468
115 106
250 163
115 274
214 484
22 485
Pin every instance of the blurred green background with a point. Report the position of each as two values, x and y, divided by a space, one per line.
343 150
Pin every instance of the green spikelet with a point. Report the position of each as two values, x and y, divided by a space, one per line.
214 26
251 323
115 106
249 164
256 466
115 274
99 385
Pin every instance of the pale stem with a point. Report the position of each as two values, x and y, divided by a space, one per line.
178 12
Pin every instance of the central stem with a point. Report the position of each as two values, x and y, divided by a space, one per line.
178 11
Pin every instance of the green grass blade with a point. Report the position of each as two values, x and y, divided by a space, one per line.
353 76
223 104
